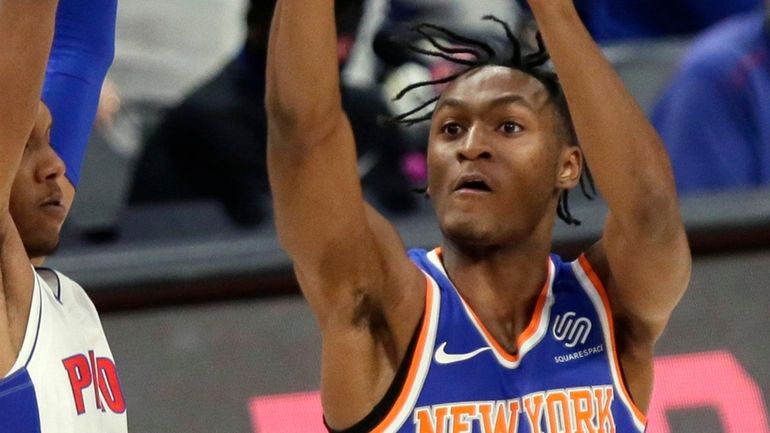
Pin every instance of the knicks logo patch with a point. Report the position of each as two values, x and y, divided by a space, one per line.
571 329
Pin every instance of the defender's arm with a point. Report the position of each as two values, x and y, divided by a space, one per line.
82 52
26 30
643 257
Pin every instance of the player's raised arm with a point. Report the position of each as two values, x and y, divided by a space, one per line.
82 52
643 257
350 262
26 29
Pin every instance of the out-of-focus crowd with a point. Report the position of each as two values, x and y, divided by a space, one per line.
713 113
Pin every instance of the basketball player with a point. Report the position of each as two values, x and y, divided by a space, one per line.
488 332
58 372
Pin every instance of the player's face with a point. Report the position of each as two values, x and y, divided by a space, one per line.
496 165
41 195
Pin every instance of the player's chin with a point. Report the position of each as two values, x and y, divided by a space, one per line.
43 244
467 230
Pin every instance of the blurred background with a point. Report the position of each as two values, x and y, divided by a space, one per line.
172 233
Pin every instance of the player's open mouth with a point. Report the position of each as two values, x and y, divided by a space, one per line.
54 199
54 205
472 183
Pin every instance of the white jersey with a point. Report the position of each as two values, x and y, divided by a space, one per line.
64 379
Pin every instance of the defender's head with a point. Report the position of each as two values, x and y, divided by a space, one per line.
502 153
41 196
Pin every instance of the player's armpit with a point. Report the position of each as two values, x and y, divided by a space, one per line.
647 273
16 282
350 262
645 278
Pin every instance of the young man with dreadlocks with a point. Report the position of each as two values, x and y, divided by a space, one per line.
488 333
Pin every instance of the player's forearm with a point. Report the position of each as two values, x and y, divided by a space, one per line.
303 95
26 30
627 158
83 50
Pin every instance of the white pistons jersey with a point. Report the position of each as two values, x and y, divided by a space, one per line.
64 379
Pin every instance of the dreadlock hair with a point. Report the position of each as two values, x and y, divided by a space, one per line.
477 54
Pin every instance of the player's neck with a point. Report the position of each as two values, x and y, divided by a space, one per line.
502 285
512 273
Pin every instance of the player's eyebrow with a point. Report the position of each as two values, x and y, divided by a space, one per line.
505 99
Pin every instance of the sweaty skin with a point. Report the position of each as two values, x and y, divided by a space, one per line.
493 127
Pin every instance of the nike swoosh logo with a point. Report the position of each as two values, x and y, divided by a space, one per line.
442 357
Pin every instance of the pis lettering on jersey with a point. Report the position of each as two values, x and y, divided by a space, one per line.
97 374
580 409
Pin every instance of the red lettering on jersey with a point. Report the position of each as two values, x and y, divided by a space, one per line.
85 371
109 385
603 397
95 376
431 421
506 420
79 373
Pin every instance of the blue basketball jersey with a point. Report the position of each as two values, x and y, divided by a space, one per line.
64 379
565 377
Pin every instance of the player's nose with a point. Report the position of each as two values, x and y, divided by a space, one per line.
474 146
51 166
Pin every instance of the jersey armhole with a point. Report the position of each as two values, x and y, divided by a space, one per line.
410 374
53 280
599 297
31 330
381 410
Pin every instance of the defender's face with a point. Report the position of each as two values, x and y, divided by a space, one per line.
41 196
495 163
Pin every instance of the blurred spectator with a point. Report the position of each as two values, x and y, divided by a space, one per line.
617 20
213 146
715 116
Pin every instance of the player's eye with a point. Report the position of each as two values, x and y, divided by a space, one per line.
451 129
510 127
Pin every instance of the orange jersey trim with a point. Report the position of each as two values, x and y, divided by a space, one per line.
589 270
417 358
529 331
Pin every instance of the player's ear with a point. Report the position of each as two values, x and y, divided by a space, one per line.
425 192
570 166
